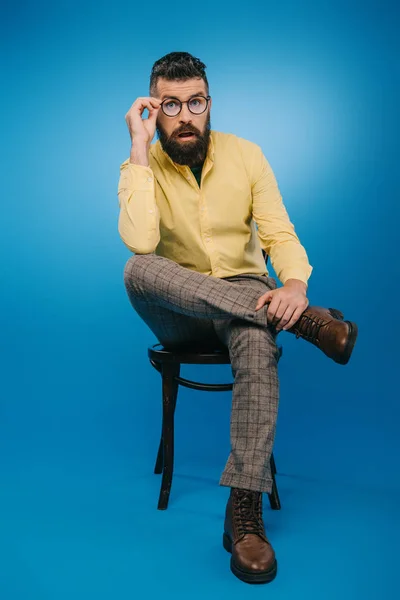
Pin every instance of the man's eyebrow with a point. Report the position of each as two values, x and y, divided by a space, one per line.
164 96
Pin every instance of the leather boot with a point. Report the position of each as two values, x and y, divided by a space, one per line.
253 558
326 329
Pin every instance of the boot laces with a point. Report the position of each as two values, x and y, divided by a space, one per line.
311 327
248 512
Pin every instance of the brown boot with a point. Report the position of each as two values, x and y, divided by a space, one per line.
253 558
326 329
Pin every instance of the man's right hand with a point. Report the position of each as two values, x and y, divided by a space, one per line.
142 130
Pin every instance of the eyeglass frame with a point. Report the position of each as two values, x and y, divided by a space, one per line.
206 98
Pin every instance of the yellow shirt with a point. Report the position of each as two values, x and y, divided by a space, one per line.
212 228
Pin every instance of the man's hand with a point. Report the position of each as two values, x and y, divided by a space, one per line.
142 130
286 304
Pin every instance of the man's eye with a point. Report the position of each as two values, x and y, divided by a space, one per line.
171 104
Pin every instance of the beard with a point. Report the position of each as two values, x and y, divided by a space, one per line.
191 153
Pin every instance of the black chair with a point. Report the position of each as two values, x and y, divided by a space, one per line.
168 363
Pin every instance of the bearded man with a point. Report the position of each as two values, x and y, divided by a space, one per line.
198 208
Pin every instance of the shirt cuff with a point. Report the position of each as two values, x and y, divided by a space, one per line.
137 177
300 274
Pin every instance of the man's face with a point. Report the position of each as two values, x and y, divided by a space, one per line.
191 150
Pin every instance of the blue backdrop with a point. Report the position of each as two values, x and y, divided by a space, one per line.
316 84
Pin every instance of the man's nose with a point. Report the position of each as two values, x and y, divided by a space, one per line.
185 115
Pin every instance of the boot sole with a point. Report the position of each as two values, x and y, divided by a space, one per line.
353 332
249 576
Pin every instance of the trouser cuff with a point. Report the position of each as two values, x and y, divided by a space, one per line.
247 482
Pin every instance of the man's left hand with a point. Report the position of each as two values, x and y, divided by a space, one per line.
286 304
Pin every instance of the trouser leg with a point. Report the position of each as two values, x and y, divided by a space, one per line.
162 282
255 397
176 330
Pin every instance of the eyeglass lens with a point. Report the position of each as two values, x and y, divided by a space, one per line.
196 105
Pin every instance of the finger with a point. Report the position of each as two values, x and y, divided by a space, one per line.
295 317
139 106
152 116
263 300
155 101
285 318
281 310
153 113
147 100
152 104
273 307
145 104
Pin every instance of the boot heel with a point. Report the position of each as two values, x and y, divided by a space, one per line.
353 332
227 543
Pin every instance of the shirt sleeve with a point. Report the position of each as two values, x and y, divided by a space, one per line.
275 230
139 218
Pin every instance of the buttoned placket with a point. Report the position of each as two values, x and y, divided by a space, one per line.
205 227
205 230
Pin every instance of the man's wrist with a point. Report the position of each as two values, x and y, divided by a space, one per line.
298 283
139 155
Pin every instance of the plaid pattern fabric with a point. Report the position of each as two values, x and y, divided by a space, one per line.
183 307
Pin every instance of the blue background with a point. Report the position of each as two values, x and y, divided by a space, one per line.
316 84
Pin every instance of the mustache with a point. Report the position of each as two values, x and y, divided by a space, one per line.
186 129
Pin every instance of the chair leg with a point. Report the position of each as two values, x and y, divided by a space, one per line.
158 468
274 500
169 395
273 465
159 461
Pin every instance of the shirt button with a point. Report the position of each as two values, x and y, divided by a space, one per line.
149 179
151 210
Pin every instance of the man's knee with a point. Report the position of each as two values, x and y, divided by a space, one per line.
135 268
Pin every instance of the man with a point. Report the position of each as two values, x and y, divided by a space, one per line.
189 205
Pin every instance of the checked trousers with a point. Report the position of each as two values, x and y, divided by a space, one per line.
184 307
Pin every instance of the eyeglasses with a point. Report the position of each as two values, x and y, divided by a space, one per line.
197 105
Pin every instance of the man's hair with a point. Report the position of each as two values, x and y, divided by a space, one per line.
177 66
